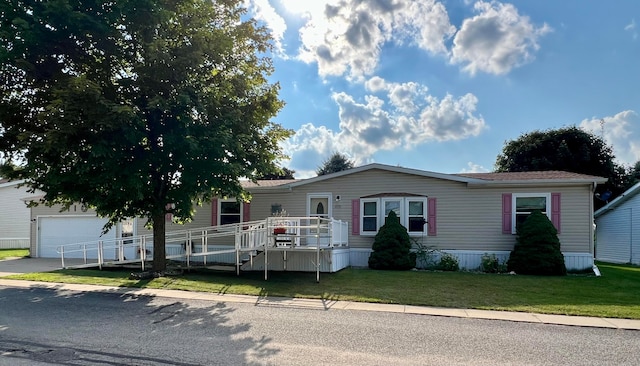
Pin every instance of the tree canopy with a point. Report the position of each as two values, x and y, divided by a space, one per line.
569 149
335 163
282 173
136 108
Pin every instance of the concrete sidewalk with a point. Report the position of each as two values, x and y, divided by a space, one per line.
28 265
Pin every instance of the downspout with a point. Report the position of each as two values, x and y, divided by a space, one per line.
631 235
592 248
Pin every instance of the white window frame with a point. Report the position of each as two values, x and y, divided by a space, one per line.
220 202
381 214
514 199
425 212
362 216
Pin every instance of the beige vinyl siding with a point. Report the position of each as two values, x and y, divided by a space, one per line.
14 217
14 213
467 218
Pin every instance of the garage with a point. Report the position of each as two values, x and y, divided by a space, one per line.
61 230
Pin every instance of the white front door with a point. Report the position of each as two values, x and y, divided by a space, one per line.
319 205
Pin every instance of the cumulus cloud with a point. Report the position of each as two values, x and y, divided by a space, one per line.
619 132
474 168
264 12
346 38
496 40
394 115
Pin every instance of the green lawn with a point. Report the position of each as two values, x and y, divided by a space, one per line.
11 253
615 294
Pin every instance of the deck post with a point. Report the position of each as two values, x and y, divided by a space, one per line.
100 255
266 263
142 251
318 252
62 255
188 249
237 261
205 248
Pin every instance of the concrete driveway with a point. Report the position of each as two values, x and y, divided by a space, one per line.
29 265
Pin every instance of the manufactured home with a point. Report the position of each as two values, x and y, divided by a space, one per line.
331 220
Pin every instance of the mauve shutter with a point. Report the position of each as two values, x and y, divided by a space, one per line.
431 217
506 213
246 212
555 210
355 217
214 212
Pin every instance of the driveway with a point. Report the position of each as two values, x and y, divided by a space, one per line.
29 265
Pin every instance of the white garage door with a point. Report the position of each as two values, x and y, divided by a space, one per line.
56 231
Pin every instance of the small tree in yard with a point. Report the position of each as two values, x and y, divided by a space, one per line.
537 250
392 247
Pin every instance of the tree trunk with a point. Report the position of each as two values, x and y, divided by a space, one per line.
159 248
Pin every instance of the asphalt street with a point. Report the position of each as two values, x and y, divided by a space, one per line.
41 326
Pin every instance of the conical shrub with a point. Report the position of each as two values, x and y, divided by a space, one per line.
537 249
392 246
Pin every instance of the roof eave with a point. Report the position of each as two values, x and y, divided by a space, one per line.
389 168
536 182
629 193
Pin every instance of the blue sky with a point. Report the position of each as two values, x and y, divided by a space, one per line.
441 85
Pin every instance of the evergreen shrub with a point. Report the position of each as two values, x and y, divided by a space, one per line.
537 249
392 247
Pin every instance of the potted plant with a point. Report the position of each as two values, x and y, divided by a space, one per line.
280 228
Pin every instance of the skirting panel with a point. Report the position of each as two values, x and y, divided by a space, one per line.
470 260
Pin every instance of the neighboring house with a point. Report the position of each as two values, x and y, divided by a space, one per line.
467 215
14 215
618 229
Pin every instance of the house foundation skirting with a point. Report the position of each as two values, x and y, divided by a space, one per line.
470 260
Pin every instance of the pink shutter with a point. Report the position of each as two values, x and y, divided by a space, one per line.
555 210
246 212
355 217
506 213
431 217
214 212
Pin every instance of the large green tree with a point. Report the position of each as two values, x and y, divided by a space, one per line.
569 149
335 163
136 108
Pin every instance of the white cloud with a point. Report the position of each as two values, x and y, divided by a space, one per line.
620 132
496 40
400 115
474 168
346 37
632 28
263 11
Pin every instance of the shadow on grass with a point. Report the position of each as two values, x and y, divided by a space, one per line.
615 294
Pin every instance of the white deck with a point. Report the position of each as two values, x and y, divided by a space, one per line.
305 244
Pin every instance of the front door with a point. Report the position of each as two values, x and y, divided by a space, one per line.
319 205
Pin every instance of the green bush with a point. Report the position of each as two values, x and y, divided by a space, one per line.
392 246
448 262
537 249
492 264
